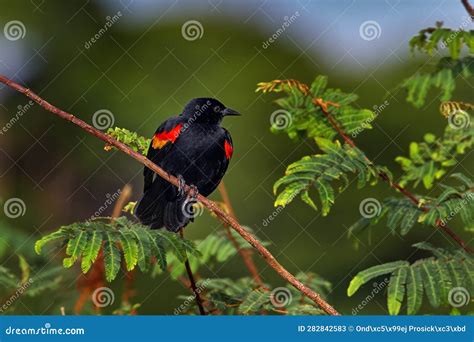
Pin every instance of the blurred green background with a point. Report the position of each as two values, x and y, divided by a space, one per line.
143 70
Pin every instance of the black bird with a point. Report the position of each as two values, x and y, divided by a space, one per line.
196 149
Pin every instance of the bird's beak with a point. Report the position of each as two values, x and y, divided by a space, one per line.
230 112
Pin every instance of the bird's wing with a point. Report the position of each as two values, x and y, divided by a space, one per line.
164 137
228 147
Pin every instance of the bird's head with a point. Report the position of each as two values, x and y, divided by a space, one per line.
207 110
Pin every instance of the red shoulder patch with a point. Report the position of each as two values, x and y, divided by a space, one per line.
228 149
162 138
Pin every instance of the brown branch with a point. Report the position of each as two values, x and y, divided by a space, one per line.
323 105
227 219
245 253
192 282
468 8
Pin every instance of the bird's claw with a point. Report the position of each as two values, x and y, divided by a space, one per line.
193 192
181 186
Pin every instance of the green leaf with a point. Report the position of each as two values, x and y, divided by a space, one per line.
372 272
129 248
414 286
430 282
91 251
74 248
60 234
111 257
396 290
254 301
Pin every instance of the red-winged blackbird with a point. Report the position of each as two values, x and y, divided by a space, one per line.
196 149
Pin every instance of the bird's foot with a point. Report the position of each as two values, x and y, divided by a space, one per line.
193 192
181 186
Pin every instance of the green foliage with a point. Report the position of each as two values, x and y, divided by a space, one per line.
435 39
13 239
402 214
302 118
442 77
137 243
429 160
320 171
435 277
241 296
29 282
137 142
214 249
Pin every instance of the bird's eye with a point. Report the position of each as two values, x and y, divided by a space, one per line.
217 109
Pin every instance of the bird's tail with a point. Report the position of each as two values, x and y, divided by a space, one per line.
160 206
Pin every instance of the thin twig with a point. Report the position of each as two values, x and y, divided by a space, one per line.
227 219
382 175
468 8
192 282
245 253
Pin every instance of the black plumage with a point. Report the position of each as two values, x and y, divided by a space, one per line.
194 147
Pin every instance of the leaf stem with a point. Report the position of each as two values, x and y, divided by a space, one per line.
245 253
323 105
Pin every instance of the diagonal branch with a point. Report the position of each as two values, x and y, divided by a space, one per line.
323 105
468 8
227 219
